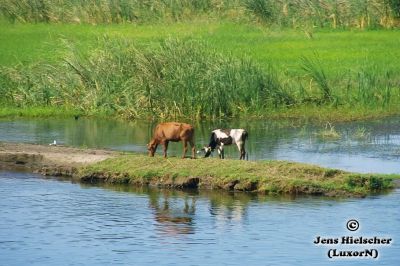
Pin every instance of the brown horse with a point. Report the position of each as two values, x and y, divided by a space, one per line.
172 131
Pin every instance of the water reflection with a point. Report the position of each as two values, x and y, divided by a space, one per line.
225 207
173 216
175 211
48 222
376 151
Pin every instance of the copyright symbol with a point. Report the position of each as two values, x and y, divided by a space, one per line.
352 225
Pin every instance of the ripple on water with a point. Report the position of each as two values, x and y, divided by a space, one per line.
48 222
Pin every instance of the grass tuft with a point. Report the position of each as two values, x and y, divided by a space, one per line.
329 132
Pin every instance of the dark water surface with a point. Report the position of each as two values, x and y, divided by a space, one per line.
53 222
376 149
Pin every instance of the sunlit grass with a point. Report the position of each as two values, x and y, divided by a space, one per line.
274 177
339 51
360 74
41 111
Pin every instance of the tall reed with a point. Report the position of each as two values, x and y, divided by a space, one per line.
177 78
185 78
317 73
287 13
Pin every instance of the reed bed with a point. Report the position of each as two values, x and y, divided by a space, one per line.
177 78
284 13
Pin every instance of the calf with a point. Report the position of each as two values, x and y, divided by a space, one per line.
219 138
172 131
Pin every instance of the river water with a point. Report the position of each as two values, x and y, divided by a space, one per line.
56 222
376 150
53 222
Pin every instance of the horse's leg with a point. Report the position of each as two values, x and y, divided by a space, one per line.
165 146
184 148
193 149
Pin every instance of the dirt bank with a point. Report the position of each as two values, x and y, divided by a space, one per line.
50 159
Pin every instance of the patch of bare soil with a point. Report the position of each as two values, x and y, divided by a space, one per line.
51 160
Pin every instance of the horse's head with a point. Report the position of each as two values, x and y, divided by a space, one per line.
151 147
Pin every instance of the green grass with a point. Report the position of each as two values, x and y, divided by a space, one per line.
332 75
339 51
37 112
272 177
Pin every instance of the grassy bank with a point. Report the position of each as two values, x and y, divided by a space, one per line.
271 177
46 111
199 70
111 167
301 114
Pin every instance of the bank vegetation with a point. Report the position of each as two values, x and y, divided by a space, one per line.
178 78
283 13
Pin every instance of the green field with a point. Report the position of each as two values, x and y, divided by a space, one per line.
339 51
323 73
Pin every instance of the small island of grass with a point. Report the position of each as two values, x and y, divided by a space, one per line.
269 177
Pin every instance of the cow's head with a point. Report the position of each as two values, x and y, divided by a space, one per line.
207 151
151 147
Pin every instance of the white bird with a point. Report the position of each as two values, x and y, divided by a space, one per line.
54 143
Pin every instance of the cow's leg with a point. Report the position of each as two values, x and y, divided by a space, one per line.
184 148
239 145
165 146
221 151
242 151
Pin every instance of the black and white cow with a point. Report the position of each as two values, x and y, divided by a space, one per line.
222 137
